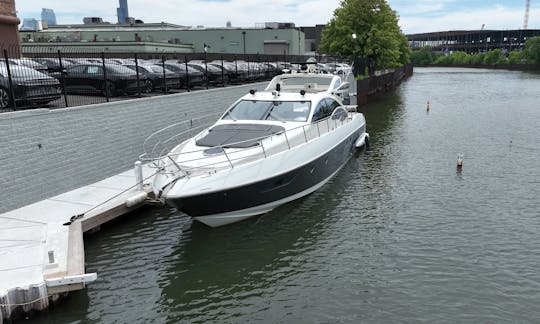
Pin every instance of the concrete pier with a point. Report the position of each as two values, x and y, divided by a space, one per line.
42 257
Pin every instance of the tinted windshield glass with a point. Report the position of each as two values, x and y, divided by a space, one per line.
119 69
304 80
18 71
157 69
270 110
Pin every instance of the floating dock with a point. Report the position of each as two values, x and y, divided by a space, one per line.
42 246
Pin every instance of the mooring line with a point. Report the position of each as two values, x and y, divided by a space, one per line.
24 304
79 216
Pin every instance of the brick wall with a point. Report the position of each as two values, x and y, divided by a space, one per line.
7 7
44 152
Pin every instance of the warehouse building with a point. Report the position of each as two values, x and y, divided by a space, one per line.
271 38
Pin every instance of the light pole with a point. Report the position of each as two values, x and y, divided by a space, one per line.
244 40
206 47
354 36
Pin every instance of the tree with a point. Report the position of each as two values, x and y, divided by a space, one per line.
375 27
494 57
478 59
532 50
514 57
460 57
423 56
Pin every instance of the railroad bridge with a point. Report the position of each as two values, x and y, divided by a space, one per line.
473 41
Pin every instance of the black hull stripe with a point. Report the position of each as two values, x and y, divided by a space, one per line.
272 189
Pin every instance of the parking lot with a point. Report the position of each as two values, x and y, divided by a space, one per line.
56 81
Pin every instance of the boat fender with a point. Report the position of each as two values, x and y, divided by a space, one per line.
366 140
362 141
138 199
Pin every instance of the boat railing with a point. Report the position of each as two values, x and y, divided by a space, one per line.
213 159
161 142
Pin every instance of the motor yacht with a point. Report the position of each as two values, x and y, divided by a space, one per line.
268 148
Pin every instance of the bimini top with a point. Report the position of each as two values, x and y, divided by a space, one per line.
309 82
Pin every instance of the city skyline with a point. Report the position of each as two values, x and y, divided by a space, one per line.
422 16
48 16
122 12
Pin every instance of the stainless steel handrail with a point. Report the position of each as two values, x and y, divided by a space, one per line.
229 161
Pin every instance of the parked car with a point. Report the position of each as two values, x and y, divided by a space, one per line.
160 78
52 64
26 62
91 78
191 78
235 74
271 70
29 87
211 72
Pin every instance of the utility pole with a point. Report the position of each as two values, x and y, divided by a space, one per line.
526 18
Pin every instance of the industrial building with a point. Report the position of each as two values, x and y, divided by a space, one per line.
473 41
273 38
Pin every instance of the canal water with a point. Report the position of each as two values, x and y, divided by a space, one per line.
399 235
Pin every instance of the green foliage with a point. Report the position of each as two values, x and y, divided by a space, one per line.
494 57
532 50
460 58
478 58
454 58
514 57
444 59
378 36
423 56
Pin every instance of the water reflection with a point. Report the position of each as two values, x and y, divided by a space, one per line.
236 266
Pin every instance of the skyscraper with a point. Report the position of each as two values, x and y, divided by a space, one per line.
48 16
31 24
122 11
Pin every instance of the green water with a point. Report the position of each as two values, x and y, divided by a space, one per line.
399 235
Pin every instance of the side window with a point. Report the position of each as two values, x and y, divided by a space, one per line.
78 69
339 113
319 112
338 83
92 69
332 104
324 109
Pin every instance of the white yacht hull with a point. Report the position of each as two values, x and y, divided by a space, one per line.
258 187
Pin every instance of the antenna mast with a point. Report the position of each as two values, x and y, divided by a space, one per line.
526 18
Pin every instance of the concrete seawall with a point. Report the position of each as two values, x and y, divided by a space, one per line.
48 152
381 82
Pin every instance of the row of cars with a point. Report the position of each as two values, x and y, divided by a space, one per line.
41 80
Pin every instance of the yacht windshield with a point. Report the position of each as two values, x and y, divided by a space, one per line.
297 111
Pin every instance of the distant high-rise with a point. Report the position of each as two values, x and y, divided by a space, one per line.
31 24
122 11
48 16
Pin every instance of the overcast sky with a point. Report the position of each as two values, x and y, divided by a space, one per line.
415 16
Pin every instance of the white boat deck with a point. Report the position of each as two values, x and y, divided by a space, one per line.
38 250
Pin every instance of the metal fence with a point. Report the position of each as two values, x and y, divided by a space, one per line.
50 78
